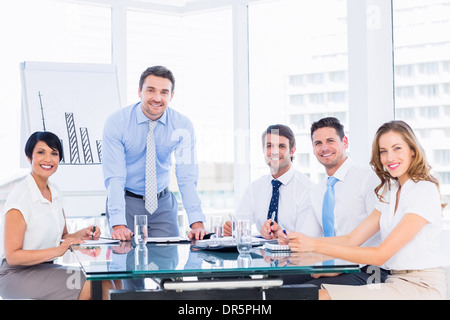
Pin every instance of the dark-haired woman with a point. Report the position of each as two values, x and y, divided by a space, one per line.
35 232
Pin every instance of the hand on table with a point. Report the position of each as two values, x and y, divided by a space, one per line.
121 232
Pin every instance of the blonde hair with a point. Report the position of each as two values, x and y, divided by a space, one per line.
419 170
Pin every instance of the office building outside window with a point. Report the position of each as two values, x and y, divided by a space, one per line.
298 73
422 78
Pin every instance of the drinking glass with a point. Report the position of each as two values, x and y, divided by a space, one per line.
243 236
140 229
217 226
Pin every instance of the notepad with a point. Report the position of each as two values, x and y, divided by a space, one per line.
276 247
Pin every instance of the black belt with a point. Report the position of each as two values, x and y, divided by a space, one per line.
134 195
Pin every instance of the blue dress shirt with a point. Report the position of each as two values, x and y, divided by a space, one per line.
124 147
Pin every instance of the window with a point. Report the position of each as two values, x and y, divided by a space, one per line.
338 76
298 72
429 91
421 59
197 49
441 157
428 68
337 97
297 99
404 71
43 30
405 113
404 92
429 112
297 80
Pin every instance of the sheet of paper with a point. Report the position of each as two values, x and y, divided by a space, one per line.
225 241
167 239
97 242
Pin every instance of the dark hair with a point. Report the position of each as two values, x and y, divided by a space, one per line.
329 122
48 137
157 71
281 130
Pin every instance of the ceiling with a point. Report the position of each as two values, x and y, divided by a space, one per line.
171 6
174 3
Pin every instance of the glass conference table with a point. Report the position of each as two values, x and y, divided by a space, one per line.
205 268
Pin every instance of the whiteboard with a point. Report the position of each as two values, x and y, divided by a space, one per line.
73 101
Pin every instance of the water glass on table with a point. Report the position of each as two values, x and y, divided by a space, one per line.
243 236
140 229
217 226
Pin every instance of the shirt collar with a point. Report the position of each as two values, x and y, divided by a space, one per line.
141 117
35 193
341 173
287 176
395 185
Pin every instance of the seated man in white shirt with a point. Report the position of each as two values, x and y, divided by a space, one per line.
288 205
354 198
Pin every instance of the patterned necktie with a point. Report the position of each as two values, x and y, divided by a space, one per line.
328 208
273 207
151 201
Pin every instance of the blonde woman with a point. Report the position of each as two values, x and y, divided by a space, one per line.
408 216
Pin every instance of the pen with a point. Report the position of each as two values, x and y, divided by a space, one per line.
284 230
272 218
93 231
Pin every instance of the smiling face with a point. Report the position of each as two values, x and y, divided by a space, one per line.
277 154
155 94
44 160
395 155
329 148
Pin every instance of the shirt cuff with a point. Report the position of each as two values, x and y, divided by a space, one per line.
196 217
117 220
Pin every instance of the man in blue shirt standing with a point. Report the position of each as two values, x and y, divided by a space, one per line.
125 138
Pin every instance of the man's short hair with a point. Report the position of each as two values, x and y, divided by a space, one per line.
329 122
157 71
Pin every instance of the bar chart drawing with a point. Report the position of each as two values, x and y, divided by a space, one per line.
72 100
74 143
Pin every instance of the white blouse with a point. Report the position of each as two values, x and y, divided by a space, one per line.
421 198
45 220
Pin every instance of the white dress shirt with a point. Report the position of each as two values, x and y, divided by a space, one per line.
44 219
293 205
421 198
354 198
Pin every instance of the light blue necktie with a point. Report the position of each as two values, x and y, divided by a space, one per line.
328 208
